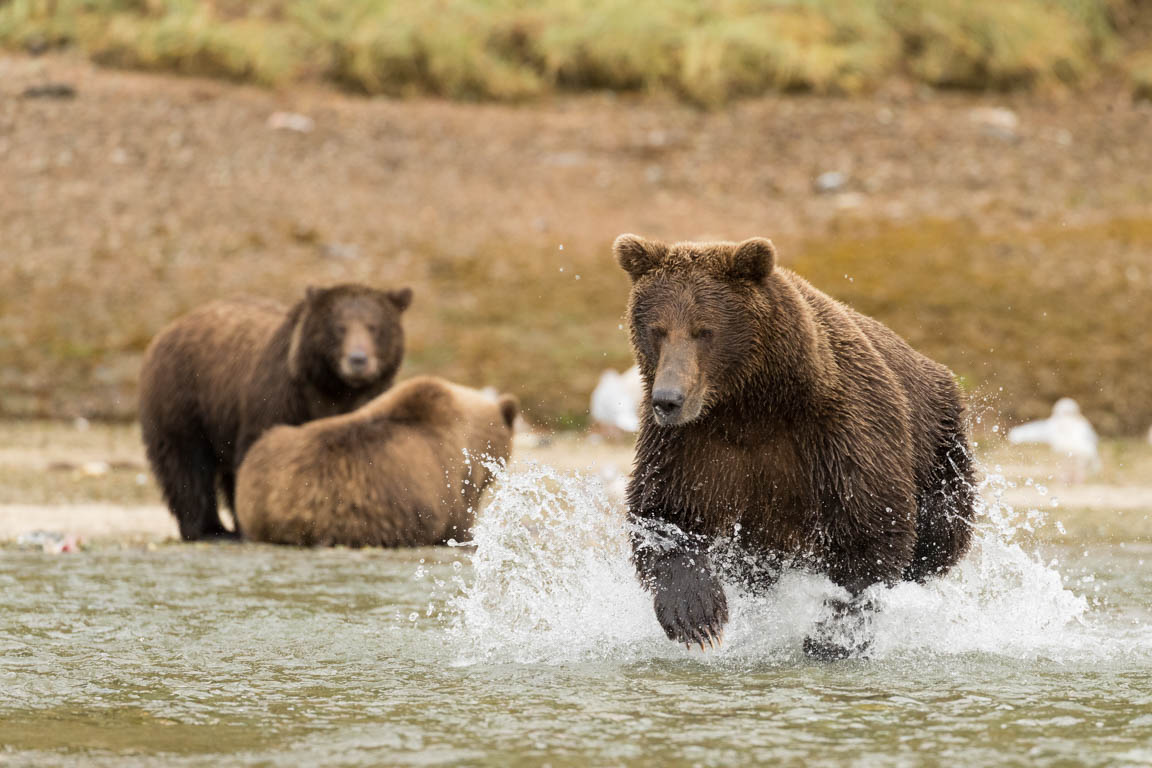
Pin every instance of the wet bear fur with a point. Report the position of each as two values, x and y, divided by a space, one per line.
405 470
215 379
804 432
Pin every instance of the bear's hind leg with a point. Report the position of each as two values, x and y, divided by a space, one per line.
877 552
845 634
947 508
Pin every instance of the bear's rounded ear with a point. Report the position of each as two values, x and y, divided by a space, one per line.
401 298
753 259
509 409
312 293
638 256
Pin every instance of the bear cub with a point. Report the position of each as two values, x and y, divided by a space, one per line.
405 470
795 429
215 379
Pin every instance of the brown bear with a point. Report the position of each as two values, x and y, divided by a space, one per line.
215 379
798 429
404 470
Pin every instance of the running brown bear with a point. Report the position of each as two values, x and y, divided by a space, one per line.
215 379
775 415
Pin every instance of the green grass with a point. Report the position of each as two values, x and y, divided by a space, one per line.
707 53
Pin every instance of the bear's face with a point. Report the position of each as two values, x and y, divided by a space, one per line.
689 320
351 333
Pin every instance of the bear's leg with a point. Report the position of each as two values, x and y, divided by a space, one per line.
845 633
186 471
688 598
947 508
749 567
876 550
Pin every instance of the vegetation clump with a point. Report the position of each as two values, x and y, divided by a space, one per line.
509 50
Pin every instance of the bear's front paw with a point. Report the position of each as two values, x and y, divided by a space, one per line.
689 601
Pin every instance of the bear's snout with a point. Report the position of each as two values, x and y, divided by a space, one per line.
358 363
676 388
667 404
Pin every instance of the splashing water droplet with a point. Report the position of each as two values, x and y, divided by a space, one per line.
552 582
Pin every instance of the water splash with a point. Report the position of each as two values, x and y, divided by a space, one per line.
552 583
552 579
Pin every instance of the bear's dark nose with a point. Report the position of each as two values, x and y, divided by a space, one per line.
666 402
356 360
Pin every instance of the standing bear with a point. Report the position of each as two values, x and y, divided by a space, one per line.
405 470
215 379
799 430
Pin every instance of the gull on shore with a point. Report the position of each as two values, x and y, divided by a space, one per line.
1067 433
616 400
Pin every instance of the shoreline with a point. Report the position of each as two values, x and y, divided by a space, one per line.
1087 511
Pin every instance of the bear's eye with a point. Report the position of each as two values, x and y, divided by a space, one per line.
341 329
657 333
371 328
702 333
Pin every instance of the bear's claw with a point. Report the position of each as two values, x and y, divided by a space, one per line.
689 601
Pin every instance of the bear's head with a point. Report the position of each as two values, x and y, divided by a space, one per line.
692 321
348 335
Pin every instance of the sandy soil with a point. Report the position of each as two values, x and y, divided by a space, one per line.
200 156
88 521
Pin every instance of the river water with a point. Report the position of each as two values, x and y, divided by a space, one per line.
536 646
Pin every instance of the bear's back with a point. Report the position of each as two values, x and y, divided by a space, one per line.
201 362
928 388
385 474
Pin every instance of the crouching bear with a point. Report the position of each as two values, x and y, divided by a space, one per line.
216 378
803 431
405 470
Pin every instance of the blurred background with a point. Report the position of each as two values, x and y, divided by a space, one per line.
974 173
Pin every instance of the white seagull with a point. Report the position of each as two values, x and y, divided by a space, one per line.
1067 433
616 400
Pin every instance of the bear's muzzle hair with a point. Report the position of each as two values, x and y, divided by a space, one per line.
359 363
677 391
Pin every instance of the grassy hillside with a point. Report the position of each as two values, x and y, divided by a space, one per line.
704 52
1020 256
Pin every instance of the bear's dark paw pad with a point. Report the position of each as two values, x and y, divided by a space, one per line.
690 603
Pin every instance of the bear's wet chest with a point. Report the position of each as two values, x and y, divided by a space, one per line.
763 485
